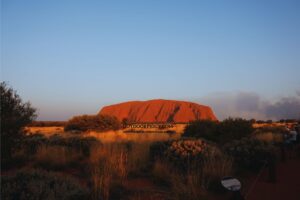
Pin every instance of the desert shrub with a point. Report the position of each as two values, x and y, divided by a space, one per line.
15 115
183 153
37 184
93 122
201 129
234 129
220 132
250 153
194 166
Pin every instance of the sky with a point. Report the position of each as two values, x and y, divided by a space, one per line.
71 57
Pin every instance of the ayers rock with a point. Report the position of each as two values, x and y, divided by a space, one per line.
159 110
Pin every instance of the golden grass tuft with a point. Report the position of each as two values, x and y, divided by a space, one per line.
270 137
120 136
55 157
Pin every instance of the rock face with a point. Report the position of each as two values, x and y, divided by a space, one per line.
159 110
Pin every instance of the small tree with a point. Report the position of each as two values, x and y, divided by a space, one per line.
15 115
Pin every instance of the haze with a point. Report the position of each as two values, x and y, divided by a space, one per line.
73 57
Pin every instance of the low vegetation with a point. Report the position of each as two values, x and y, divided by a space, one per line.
219 132
103 162
250 153
38 184
93 122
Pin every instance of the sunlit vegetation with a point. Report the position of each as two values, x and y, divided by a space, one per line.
93 158
220 132
93 122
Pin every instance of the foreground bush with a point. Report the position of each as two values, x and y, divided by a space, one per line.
38 184
202 129
93 122
234 129
220 132
250 153
190 167
182 153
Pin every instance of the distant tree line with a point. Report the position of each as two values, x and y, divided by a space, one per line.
280 121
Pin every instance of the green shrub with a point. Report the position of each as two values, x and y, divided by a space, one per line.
193 165
250 153
234 129
220 132
201 129
37 184
93 122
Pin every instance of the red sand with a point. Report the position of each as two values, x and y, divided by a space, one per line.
159 110
287 186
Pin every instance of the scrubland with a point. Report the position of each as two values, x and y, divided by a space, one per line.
121 165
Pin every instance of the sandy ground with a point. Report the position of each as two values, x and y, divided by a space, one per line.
286 187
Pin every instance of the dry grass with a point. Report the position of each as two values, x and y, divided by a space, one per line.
108 165
101 177
274 124
196 181
162 172
120 136
125 154
214 168
138 157
47 131
270 137
116 136
187 186
112 163
55 157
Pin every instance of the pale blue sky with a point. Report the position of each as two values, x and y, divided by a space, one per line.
72 57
